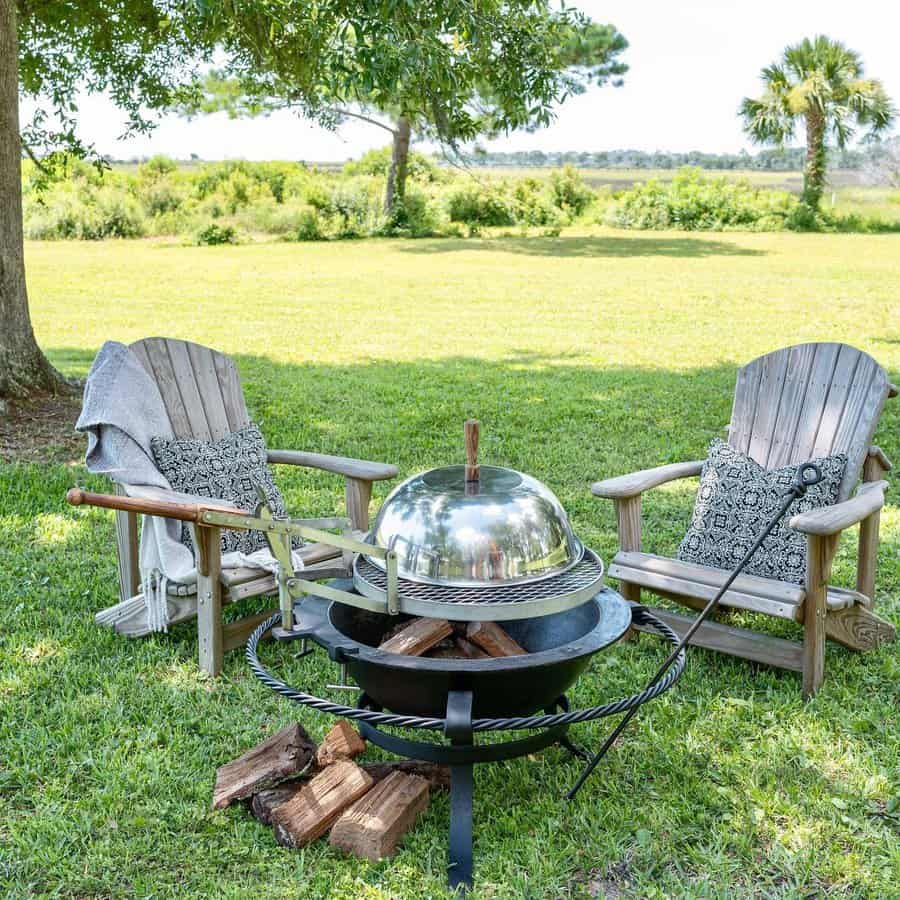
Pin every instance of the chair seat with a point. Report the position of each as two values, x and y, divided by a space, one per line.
130 616
672 577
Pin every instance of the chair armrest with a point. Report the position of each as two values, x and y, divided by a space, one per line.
167 495
828 520
624 486
339 465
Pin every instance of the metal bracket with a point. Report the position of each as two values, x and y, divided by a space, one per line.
279 532
344 684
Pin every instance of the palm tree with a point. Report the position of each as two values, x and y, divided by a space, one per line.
820 81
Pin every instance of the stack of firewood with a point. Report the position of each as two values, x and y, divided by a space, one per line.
303 790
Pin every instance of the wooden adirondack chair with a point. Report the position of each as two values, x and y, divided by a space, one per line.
789 406
203 398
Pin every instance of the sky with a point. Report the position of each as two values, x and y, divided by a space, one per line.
691 62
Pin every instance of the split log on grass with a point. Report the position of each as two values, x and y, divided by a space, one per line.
284 755
342 742
313 809
437 775
418 636
493 639
374 825
267 801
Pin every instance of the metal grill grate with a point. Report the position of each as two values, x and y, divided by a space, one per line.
564 591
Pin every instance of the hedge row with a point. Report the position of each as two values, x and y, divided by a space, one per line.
218 202
215 203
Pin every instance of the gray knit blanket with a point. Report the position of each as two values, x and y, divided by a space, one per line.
121 412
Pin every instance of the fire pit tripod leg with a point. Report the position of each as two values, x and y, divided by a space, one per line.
459 731
564 741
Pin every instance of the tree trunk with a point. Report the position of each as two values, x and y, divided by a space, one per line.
23 368
814 169
396 179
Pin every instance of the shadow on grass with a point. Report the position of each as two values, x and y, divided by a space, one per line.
621 247
546 413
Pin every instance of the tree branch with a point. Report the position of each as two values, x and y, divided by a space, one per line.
38 162
371 121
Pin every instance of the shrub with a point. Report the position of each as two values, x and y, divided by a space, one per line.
417 215
54 217
570 193
308 227
270 217
157 167
347 207
480 205
290 200
534 203
118 215
84 214
162 195
419 167
693 202
215 234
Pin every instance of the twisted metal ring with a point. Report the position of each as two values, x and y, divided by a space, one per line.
640 616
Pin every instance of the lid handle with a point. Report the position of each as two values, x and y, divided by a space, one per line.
472 468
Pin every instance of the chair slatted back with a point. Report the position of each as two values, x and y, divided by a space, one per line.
807 401
200 387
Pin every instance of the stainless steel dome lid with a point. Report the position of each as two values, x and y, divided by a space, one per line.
448 529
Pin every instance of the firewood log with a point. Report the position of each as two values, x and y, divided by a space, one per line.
437 775
284 755
493 639
374 825
418 636
313 809
267 801
342 742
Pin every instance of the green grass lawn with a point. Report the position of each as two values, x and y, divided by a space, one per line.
587 355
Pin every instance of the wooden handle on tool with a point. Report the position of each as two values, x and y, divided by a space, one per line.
170 509
471 432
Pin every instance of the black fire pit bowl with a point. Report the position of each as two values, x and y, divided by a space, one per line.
560 647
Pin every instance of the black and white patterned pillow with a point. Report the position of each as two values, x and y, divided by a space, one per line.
737 499
226 469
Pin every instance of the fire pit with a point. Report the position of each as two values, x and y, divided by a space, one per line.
466 544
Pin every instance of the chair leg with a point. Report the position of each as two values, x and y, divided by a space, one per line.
209 600
875 468
358 494
628 516
821 550
127 552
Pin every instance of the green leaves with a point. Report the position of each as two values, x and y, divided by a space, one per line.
456 70
139 51
817 76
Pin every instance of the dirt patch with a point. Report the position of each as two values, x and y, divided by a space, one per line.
42 430
611 883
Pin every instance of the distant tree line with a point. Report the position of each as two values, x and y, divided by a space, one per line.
788 159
